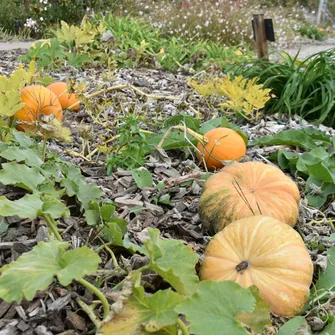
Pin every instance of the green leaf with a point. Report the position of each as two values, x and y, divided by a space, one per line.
142 177
260 316
107 212
291 327
214 307
222 122
175 140
189 121
287 137
31 156
114 231
70 186
54 207
329 329
317 199
21 175
211 124
22 138
173 261
326 284
36 269
26 207
87 192
157 311
134 319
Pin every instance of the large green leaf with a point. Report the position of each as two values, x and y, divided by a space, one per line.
287 137
326 283
26 207
21 175
259 317
213 307
157 311
36 269
173 261
291 327
142 315
317 191
142 177
54 207
31 156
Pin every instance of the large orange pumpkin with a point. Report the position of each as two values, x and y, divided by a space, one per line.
245 189
264 252
223 144
38 101
66 99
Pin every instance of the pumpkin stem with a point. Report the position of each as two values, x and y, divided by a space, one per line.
244 265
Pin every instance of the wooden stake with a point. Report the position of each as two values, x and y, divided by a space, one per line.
260 35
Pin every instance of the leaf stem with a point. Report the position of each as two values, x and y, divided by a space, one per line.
114 260
44 147
52 226
199 137
98 293
182 327
89 311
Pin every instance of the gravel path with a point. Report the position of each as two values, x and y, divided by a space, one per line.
310 48
15 45
306 48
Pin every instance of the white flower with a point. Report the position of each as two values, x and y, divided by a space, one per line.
45 8
41 18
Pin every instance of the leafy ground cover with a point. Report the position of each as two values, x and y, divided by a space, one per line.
127 234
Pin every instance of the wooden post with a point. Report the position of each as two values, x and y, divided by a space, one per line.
260 36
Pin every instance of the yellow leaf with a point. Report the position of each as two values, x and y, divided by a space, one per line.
207 89
66 33
144 44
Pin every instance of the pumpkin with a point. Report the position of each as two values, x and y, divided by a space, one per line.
245 189
66 99
38 101
220 144
264 252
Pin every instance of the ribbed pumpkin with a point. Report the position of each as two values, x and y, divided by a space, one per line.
223 144
245 189
264 252
66 99
38 101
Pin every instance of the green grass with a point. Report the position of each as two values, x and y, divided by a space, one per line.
306 87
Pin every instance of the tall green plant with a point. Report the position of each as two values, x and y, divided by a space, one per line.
303 87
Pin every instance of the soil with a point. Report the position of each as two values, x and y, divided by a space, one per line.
55 310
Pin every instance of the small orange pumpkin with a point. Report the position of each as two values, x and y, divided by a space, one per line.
66 99
245 189
223 144
38 101
264 252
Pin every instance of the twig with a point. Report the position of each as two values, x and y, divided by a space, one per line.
9 245
175 181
